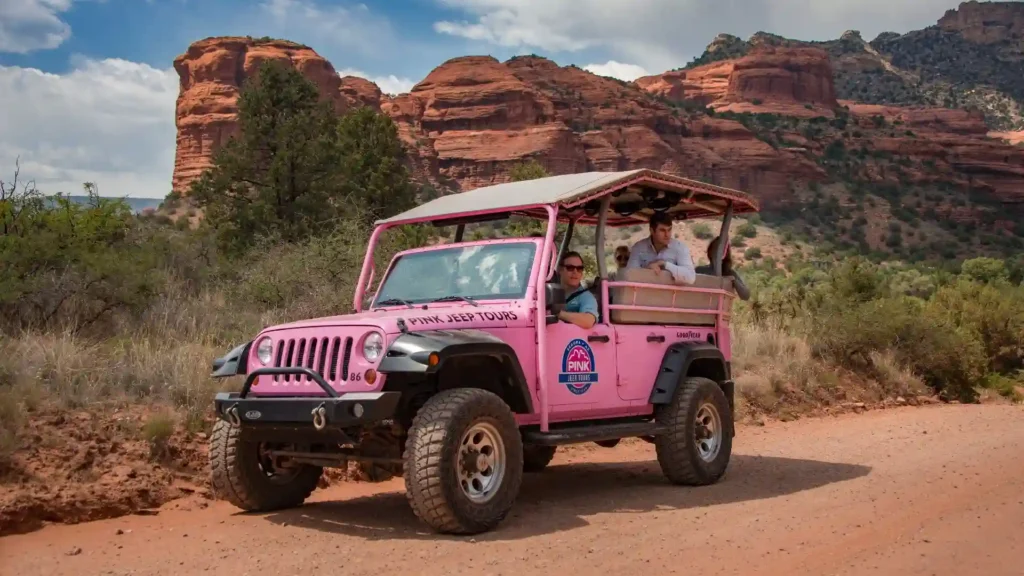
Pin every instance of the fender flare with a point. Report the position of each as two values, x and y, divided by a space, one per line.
676 364
410 353
234 363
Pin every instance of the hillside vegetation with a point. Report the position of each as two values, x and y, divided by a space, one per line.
906 218
103 311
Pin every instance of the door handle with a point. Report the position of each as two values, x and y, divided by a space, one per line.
655 338
597 338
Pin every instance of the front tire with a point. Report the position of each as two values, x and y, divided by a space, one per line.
695 451
463 461
242 474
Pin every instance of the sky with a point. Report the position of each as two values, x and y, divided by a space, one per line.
87 89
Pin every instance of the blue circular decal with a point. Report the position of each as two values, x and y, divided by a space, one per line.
579 371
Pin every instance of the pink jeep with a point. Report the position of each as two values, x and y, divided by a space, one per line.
458 375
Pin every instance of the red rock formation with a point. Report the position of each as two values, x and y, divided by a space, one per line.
986 22
704 84
360 90
954 140
211 73
1015 138
938 120
778 79
472 118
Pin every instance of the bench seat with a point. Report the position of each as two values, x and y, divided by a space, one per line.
661 298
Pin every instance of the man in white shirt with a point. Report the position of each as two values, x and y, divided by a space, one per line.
660 251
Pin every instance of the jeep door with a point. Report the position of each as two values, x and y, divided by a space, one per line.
581 370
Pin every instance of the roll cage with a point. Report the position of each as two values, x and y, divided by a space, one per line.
602 199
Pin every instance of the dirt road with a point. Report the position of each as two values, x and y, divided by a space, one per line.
934 490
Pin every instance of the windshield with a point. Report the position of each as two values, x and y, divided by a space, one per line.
481 272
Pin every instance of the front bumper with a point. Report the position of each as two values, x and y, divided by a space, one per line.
316 412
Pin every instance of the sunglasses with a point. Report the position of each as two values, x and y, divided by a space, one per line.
571 268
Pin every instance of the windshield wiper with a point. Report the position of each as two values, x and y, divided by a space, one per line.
393 301
455 299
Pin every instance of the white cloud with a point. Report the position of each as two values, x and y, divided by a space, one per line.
627 72
663 34
389 84
352 27
28 25
106 121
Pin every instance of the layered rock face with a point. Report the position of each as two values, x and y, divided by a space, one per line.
211 73
1016 138
986 22
957 139
473 118
795 81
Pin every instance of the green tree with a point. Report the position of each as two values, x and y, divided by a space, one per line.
374 175
985 270
279 176
529 170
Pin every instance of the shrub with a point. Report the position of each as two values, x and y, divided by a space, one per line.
68 265
702 231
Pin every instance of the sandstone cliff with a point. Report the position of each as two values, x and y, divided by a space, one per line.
986 22
211 73
796 81
472 118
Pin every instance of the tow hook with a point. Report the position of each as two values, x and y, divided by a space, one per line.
320 416
232 414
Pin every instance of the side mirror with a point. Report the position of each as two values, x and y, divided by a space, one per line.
554 297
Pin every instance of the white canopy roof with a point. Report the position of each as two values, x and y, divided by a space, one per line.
570 192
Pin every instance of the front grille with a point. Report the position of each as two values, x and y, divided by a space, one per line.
318 354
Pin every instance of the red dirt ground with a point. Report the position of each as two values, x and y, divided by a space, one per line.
914 490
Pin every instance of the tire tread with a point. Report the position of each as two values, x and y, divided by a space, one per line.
232 480
431 453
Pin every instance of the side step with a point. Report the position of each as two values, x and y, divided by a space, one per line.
592 433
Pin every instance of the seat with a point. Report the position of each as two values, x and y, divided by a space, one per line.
663 298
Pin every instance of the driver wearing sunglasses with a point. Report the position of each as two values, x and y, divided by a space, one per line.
580 305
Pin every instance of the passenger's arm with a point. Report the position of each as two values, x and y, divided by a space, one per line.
741 288
683 272
587 316
584 320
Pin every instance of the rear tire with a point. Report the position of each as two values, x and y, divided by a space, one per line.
695 451
536 458
463 461
241 476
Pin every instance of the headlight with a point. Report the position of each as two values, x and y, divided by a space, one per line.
373 346
265 350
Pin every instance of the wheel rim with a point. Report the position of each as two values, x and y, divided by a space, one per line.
707 432
481 462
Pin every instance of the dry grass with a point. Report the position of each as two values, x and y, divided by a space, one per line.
74 373
161 359
777 374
